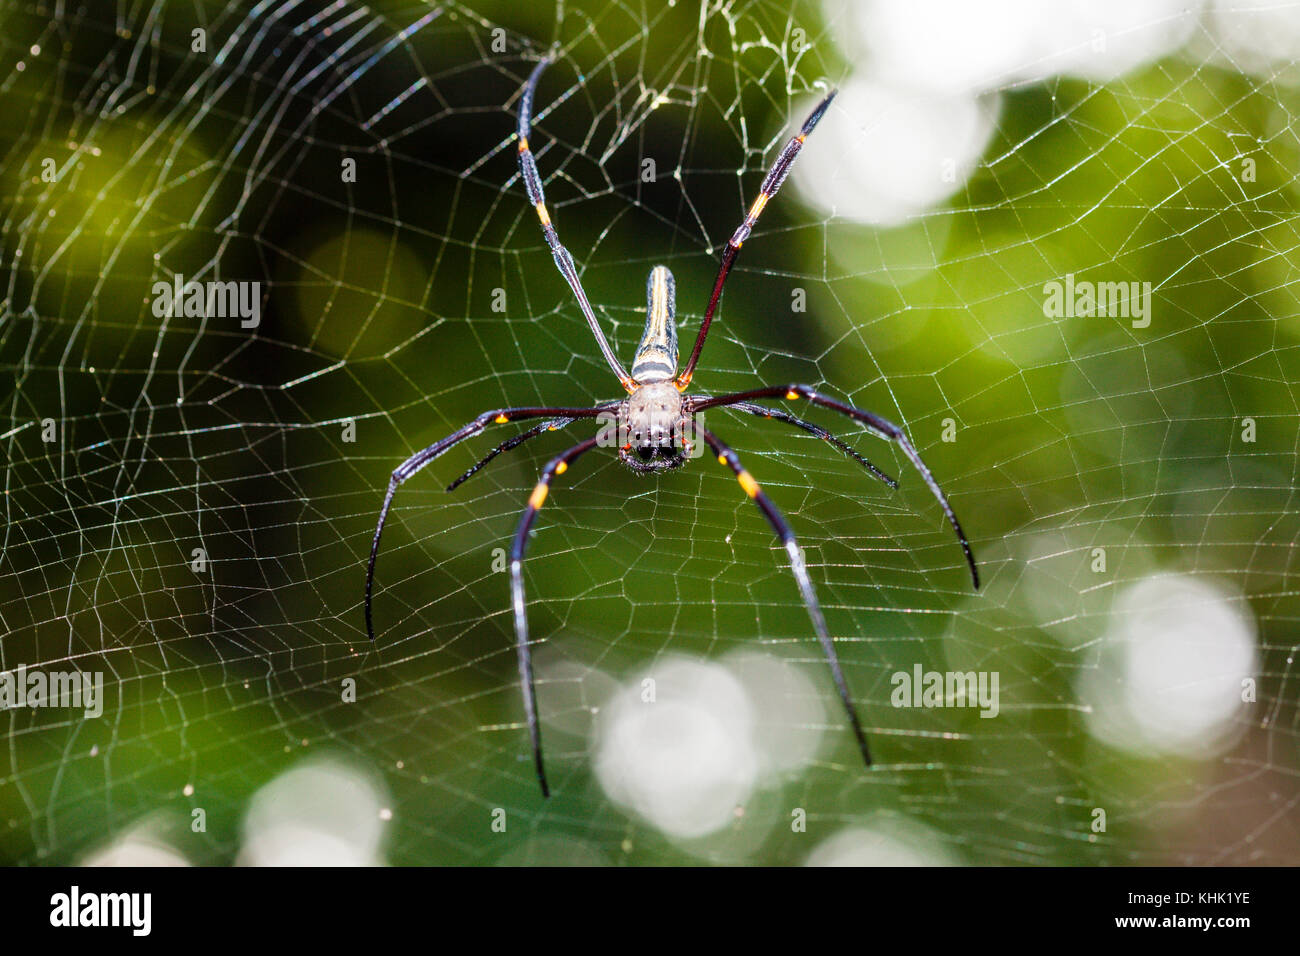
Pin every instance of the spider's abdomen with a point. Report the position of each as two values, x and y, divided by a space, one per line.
656 356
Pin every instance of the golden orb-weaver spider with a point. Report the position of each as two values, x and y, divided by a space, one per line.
656 421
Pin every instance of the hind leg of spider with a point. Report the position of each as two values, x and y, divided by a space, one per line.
728 457
408 468
518 549
537 196
780 416
882 427
771 183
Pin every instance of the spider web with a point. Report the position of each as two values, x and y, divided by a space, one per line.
1128 491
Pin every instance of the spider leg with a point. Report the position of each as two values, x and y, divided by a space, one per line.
882 427
817 430
553 425
797 565
556 466
771 183
563 259
417 461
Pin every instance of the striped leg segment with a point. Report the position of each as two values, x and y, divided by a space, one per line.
563 260
417 461
780 416
728 457
883 428
775 177
556 466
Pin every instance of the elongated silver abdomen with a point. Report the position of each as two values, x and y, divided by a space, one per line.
656 356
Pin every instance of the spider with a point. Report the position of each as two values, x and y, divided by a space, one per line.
657 422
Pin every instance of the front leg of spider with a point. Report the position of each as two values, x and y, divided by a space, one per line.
518 551
798 567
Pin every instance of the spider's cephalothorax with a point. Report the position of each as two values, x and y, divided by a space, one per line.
655 429
656 424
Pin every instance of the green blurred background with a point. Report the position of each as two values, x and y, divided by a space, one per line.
1071 434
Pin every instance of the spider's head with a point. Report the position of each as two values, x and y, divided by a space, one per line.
651 428
647 459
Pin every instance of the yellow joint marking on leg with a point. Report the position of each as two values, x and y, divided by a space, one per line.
683 383
791 395
542 214
802 137
722 459
759 203
538 497
551 428
748 483
562 467
523 144
501 419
